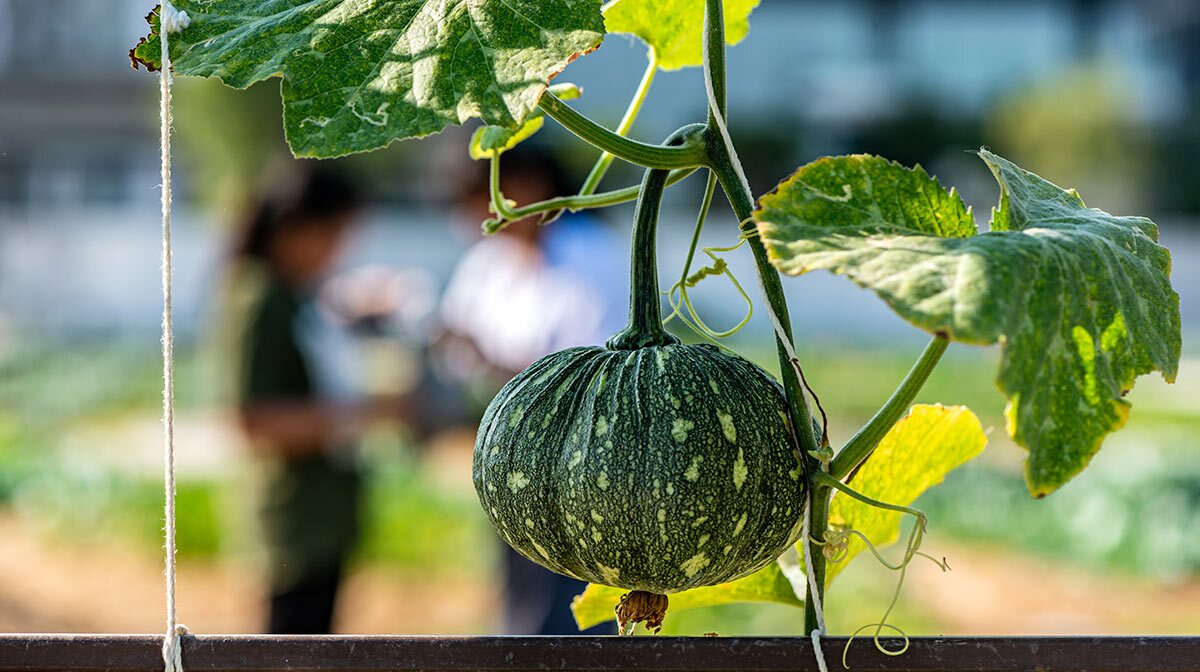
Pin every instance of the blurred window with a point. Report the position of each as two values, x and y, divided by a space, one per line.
6 35
12 183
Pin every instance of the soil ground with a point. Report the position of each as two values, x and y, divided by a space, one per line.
53 586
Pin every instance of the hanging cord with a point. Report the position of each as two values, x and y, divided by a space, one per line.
813 591
814 588
170 21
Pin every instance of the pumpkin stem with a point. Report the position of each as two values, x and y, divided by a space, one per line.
645 328
640 606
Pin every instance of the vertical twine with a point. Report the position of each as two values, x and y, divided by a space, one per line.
170 20
814 588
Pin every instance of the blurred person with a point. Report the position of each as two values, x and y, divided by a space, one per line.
299 401
514 297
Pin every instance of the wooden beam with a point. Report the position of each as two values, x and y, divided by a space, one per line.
259 653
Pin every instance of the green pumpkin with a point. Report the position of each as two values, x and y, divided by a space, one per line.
645 464
659 469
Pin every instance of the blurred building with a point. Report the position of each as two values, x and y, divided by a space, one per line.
78 128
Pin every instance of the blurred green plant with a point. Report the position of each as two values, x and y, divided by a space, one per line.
1079 128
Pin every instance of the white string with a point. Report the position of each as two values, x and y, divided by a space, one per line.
170 20
814 590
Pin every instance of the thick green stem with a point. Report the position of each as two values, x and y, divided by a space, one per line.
635 106
861 445
722 161
645 328
686 155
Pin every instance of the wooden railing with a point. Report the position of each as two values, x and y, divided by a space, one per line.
260 653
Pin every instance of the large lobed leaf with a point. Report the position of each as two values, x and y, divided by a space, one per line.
1080 300
596 604
358 74
675 28
916 455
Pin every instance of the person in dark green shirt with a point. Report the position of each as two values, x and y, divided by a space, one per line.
297 401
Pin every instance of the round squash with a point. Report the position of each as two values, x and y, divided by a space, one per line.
645 464
659 469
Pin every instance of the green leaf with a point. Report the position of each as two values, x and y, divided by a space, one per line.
358 74
914 456
596 603
1079 299
489 141
675 28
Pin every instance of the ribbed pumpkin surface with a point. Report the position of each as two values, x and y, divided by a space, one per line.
659 468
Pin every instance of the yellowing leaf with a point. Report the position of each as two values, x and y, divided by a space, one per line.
488 141
675 28
596 603
915 455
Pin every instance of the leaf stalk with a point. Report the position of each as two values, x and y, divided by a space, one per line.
686 155
635 106
863 443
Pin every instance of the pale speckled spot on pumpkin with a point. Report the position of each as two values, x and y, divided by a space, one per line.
608 444
680 428
657 491
582 543
529 523
662 515
727 426
546 375
694 564
576 458
516 481
600 382
659 356
740 471
597 517
693 471
610 574
518 414
703 540
541 551
675 402
728 548
713 384
699 521
670 488
794 474
601 426
546 419
740 524
602 480
491 487
596 536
